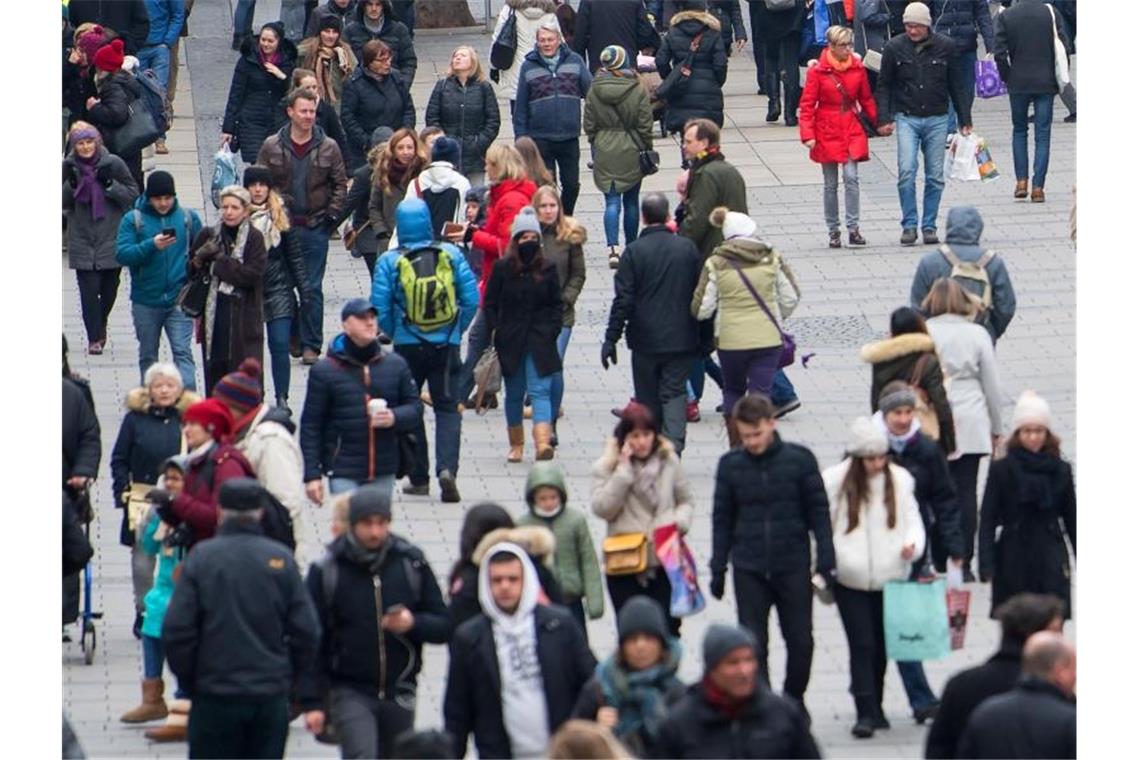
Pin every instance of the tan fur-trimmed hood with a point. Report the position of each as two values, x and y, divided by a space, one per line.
893 348
535 540
577 234
138 400
706 18
611 454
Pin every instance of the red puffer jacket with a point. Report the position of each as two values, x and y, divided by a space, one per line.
826 116
507 199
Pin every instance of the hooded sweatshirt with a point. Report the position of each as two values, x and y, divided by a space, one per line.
438 177
516 647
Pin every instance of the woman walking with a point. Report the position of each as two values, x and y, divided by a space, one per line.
233 252
327 118
330 58
970 369
284 273
109 108
696 32
744 283
463 105
360 238
401 160
261 77
877 532
523 308
375 96
836 91
780 33
97 190
618 121
1031 498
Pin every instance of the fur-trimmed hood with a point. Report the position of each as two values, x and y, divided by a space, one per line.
611 454
577 233
706 18
138 400
536 540
546 6
893 348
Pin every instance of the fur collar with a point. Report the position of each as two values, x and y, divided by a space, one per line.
138 400
546 6
577 234
893 348
706 18
535 540
611 455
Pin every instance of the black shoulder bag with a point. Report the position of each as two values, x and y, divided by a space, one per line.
649 160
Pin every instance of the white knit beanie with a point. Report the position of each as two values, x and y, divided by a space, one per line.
733 224
867 439
917 13
1031 409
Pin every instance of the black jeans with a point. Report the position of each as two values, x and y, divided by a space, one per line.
439 367
578 610
659 383
862 616
98 289
757 45
964 471
791 594
782 57
565 154
366 725
254 727
622 588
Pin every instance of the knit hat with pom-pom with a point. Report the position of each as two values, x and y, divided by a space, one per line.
110 57
241 390
732 223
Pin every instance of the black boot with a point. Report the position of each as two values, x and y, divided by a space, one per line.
864 727
773 98
283 405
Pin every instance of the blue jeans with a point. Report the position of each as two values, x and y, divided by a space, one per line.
150 322
918 691
928 135
315 249
616 205
153 657
527 382
439 367
696 384
293 18
277 333
243 17
1042 129
558 384
783 392
965 63
344 485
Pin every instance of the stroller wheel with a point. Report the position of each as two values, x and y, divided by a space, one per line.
88 641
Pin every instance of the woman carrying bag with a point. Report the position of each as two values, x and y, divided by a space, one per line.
330 58
693 43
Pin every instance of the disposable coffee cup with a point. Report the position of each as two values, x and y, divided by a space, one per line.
377 405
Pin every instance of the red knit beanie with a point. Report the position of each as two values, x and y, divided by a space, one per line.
241 390
213 416
110 57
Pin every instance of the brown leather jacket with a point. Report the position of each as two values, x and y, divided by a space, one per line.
326 187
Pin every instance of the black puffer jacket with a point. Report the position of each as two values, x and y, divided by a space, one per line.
369 102
962 21
701 97
351 638
82 448
933 489
115 93
469 114
393 33
769 726
251 108
763 508
525 315
285 273
336 437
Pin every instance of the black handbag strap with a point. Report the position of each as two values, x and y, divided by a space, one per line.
849 102
751 289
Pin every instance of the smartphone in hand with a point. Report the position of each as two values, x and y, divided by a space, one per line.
169 232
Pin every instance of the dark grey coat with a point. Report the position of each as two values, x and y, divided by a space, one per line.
91 243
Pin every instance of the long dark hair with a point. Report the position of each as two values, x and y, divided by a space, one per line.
480 520
907 320
856 490
515 262
1052 445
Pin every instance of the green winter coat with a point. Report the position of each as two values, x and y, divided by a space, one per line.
575 558
712 183
615 102
158 598
566 253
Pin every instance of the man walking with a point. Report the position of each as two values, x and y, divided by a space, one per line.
166 18
357 402
378 604
768 495
553 81
239 628
962 21
426 296
307 167
154 241
916 82
653 286
601 23
712 182
517 669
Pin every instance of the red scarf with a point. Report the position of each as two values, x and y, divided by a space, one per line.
724 704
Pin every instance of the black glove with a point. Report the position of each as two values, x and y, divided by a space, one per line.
495 76
159 497
609 354
103 174
716 585
71 175
181 537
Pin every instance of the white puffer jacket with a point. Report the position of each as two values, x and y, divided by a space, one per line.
871 554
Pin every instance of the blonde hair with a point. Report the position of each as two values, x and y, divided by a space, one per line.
947 297
277 212
532 160
839 35
477 74
563 225
506 159
340 514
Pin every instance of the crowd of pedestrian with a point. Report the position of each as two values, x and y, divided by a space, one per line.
468 238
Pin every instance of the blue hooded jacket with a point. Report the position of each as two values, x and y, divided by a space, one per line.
413 228
156 276
166 20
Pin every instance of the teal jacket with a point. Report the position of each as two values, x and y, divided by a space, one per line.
156 276
158 598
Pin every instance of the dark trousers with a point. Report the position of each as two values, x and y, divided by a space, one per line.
757 45
748 371
964 471
478 339
791 594
315 249
578 610
365 724
659 383
622 588
439 367
565 155
782 57
98 289
862 616
277 333
225 727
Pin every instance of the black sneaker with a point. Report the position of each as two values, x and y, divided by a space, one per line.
930 237
924 714
880 722
909 237
788 408
411 489
448 490
1070 119
864 728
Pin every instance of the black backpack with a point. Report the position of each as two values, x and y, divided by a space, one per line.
441 207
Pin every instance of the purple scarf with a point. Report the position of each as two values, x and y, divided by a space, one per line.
275 59
89 190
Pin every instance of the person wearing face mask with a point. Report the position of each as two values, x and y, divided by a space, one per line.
330 57
375 95
261 77
523 309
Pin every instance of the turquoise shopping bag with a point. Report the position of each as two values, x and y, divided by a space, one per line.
915 621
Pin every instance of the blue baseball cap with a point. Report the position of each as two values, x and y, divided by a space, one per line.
358 307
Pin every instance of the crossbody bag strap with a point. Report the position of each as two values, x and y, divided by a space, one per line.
752 290
632 135
849 102
919 369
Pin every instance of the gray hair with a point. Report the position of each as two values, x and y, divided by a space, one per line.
162 369
549 26
248 516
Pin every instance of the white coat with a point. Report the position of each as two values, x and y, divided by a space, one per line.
969 367
530 15
276 458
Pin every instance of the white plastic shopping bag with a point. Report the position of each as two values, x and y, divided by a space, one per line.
225 173
961 159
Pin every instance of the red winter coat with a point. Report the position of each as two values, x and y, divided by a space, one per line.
507 199
826 116
197 505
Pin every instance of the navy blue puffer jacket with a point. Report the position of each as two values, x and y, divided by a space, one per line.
962 21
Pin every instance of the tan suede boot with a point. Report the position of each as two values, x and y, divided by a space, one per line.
730 428
153 706
542 448
174 730
518 439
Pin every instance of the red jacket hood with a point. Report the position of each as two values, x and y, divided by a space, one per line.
501 188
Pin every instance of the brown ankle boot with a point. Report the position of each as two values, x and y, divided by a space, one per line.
730 428
153 706
174 730
517 437
1038 195
1021 190
542 448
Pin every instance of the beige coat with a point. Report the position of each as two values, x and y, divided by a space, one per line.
276 458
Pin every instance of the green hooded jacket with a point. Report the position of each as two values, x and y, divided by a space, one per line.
712 183
617 108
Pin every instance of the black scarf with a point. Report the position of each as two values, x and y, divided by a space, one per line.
1038 473
371 560
362 354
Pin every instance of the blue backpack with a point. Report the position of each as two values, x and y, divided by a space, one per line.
154 98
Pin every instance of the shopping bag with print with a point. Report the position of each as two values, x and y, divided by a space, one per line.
961 162
987 169
958 609
915 622
681 569
987 80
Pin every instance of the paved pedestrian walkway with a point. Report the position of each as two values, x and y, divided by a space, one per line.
847 296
